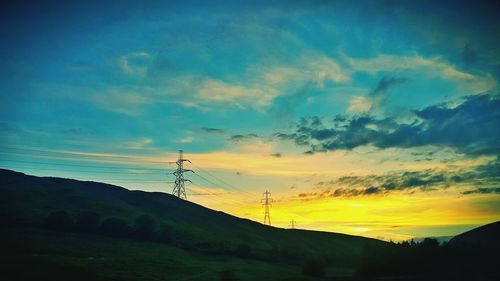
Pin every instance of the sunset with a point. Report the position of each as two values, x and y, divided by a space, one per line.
377 119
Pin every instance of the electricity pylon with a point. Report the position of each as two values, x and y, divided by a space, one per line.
179 188
293 224
266 202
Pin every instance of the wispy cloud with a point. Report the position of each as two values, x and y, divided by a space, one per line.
436 67
379 94
135 63
187 139
139 144
125 101
241 138
359 104
239 95
213 130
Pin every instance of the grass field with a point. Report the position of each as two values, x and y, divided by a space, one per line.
34 254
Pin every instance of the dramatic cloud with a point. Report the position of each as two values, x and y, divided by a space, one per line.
410 181
348 186
470 127
482 190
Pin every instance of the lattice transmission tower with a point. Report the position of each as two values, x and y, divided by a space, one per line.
267 202
179 186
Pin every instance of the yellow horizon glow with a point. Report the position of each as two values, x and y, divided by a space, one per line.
398 215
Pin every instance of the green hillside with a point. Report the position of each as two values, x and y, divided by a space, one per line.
46 234
27 202
36 254
483 236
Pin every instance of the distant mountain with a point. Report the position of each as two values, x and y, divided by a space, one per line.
483 236
28 200
440 239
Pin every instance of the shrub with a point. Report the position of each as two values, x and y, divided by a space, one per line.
144 227
87 221
59 220
114 227
243 251
164 234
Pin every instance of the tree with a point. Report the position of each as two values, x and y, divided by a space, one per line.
430 244
87 221
114 227
59 220
243 251
144 227
165 233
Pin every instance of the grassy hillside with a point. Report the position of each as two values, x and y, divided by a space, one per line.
35 254
28 201
202 244
483 236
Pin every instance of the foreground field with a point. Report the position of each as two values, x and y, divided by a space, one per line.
33 254
63 229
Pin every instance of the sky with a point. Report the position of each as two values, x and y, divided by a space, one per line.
372 118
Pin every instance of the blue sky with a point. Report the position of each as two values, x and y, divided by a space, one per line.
294 96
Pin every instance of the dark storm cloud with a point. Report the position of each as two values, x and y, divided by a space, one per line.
471 128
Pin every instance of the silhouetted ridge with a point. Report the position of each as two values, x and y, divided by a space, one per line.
483 236
32 199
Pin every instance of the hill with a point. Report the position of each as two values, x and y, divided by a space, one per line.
483 236
27 201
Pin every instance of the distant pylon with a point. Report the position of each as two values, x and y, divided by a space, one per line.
293 224
266 202
179 188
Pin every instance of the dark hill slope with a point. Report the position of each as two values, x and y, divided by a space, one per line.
28 200
483 236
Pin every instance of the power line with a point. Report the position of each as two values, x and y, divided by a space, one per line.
205 179
62 169
125 181
224 182
226 199
116 170
214 184
83 155
79 165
